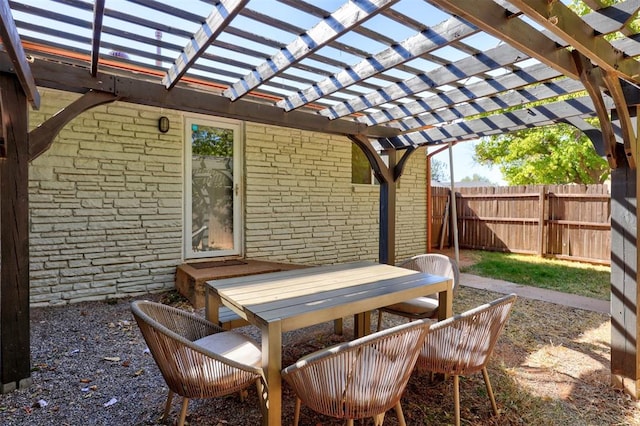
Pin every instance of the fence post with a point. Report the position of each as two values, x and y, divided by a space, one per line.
541 221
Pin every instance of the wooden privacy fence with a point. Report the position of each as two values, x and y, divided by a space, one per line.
564 221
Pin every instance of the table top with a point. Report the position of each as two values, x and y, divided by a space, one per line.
308 296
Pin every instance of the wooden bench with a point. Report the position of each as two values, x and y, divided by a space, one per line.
228 319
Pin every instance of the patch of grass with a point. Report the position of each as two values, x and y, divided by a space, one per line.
569 277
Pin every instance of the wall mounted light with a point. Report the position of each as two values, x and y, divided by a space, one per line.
163 124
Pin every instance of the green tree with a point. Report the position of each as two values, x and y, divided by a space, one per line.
549 155
476 178
556 154
439 171
211 141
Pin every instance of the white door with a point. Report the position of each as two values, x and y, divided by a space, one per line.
213 183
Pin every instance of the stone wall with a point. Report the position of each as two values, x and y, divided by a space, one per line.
106 202
302 207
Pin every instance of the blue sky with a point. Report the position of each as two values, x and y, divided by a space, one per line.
464 165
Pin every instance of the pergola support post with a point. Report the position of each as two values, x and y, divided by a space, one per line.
387 240
625 358
15 354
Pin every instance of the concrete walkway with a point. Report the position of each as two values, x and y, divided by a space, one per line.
552 296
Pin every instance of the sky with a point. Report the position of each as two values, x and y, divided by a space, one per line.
464 165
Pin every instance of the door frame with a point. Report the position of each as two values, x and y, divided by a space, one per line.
238 187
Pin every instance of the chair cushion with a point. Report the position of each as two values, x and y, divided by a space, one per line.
232 345
418 306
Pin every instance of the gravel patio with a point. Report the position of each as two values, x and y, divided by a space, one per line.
91 367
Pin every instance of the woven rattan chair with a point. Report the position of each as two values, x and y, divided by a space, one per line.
197 358
463 344
426 306
358 379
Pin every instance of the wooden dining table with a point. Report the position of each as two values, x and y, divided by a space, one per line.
278 302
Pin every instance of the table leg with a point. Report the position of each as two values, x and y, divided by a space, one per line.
272 365
361 324
445 302
212 304
338 326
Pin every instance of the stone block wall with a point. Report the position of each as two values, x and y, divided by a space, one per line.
411 208
302 207
106 202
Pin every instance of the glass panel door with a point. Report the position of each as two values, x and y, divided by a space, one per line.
212 193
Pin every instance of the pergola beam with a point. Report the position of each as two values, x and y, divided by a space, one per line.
587 77
564 23
131 88
502 24
12 45
387 205
628 134
41 138
15 355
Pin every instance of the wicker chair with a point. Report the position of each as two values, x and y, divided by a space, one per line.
358 379
464 343
426 306
197 358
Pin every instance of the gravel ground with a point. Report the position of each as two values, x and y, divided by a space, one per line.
91 367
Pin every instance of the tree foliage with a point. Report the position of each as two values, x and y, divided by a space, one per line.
211 141
439 171
476 178
558 154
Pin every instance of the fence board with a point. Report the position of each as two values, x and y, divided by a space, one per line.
564 221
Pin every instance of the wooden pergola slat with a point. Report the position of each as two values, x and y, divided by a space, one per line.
510 99
490 87
330 28
417 45
98 13
499 123
458 70
497 20
220 17
607 20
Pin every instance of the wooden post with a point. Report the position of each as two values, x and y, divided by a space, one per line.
541 250
387 244
429 205
624 277
15 355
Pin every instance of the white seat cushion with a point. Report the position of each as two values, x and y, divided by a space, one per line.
419 306
232 345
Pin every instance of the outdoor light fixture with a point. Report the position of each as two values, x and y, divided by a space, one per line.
163 124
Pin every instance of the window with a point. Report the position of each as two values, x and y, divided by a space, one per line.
361 172
360 169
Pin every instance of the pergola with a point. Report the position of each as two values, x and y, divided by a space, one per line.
391 75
